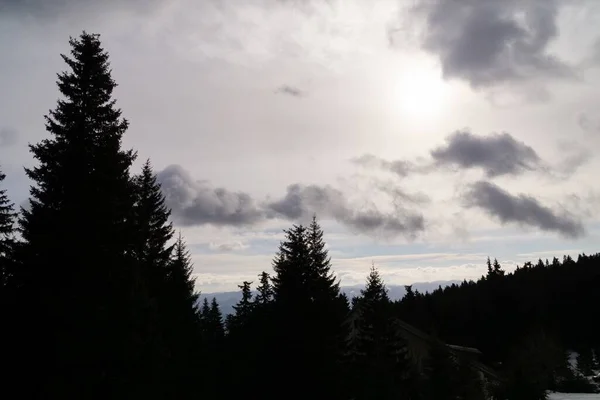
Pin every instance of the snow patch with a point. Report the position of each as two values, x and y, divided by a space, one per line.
574 396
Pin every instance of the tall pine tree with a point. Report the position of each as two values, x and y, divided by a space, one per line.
152 252
380 366
7 220
78 239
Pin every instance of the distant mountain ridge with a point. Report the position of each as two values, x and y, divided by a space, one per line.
227 300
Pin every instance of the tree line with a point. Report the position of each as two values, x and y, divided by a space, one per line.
97 298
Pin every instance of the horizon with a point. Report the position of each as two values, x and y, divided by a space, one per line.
425 137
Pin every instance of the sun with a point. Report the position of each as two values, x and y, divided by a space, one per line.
421 93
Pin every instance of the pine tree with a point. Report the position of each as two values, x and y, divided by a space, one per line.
79 237
9 308
243 309
325 287
381 366
585 362
264 291
215 322
497 268
7 219
291 266
152 252
180 318
307 316
152 227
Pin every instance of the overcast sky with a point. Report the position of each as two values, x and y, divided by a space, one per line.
425 134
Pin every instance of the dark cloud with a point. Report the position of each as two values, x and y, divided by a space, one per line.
497 154
521 209
290 91
51 9
196 203
8 137
487 42
401 168
300 202
228 247
588 124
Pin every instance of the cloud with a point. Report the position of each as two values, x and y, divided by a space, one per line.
401 168
8 137
489 42
196 202
300 202
497 154
290 91
228 247
50 9
521 209
588 123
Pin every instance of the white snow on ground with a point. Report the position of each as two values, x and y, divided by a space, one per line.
574 396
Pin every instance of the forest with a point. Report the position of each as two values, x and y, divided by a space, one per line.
97 298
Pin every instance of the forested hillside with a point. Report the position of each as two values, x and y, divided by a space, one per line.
97 298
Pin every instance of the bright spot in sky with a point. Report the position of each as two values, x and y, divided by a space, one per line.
421 93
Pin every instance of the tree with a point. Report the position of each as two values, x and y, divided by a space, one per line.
9 309
308 310
243 309
585 362
79 238
264 291
325 286
7 220
379 354
291 270
215 322
181 320
152 252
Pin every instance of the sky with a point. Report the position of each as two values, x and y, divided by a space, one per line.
426 135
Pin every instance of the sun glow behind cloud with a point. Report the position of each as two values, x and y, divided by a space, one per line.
421 94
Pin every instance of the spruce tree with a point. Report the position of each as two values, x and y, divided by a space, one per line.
10 309
325 286
264 291
152 253
381 366
291 266
79 237
7 220
215 322
180 318
153 229
244 307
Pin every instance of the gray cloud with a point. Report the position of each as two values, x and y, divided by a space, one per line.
487 42
588 123
196 203
8 137
50 9
497 154
401 168
300 202
520 209
290 91
228 247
